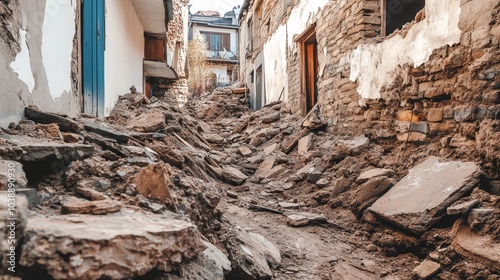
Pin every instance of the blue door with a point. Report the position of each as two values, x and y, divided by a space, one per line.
93 37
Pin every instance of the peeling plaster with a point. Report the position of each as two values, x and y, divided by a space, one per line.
275 66
301 16
58 26
22 64
373 65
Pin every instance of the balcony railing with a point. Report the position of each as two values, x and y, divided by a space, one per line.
227 55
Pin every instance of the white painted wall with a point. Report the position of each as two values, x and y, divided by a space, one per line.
22 64
220 71
40 71
301 16
58 26
275 57
124 54
374 65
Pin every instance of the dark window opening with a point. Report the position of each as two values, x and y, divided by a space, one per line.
396 13
217 41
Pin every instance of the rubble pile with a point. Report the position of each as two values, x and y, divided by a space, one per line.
406 200
154 176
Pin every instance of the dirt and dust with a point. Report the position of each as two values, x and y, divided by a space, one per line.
274 195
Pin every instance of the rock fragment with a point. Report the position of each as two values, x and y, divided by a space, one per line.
97 247
417 201
233 176
426 269
99 207
155 181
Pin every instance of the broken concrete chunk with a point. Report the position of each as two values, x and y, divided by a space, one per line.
340 185
233 176
214 138
245 151
370 190
360 141
252 255
265 166
322 183
149 121
301 219
211 264
106 131
269 149
273 117
154 181
64 124
289 205
99 207
372 173
479 216
43 150
426 269
90 193
462 207
12 170
417 201
72 137
478 248
273 173
163 243
305 143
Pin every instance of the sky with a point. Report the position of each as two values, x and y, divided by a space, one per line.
220 6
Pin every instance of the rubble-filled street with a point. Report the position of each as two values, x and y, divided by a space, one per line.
216 191
250 139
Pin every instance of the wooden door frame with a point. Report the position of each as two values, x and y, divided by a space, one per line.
302 39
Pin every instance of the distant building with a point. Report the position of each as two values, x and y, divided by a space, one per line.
221 34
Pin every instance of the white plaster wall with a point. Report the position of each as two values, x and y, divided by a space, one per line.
220 71
275 66
40 72
58 26
301 16
124 54
232 32
374 65
22 64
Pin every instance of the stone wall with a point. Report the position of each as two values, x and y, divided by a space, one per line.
435 81
177 37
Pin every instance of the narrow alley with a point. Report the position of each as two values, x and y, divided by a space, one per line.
288 139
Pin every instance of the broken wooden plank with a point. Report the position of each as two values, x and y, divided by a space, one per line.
240 90
65 124
183 141
256 207
241 127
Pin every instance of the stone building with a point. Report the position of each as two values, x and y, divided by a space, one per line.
221 35
406 70
74 57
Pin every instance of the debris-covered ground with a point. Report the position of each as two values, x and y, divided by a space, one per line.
216 191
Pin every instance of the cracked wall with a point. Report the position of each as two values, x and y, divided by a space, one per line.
37 57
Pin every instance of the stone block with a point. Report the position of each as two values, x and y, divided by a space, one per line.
233 176
421 127
97 247
435 115
426 269
245 151
406 116
372 173
154 181
305 143
419 199
99 207
461 207
463 113
478 248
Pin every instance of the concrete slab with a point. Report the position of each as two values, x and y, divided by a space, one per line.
421 198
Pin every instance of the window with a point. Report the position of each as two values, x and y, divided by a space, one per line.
396 13
217 41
